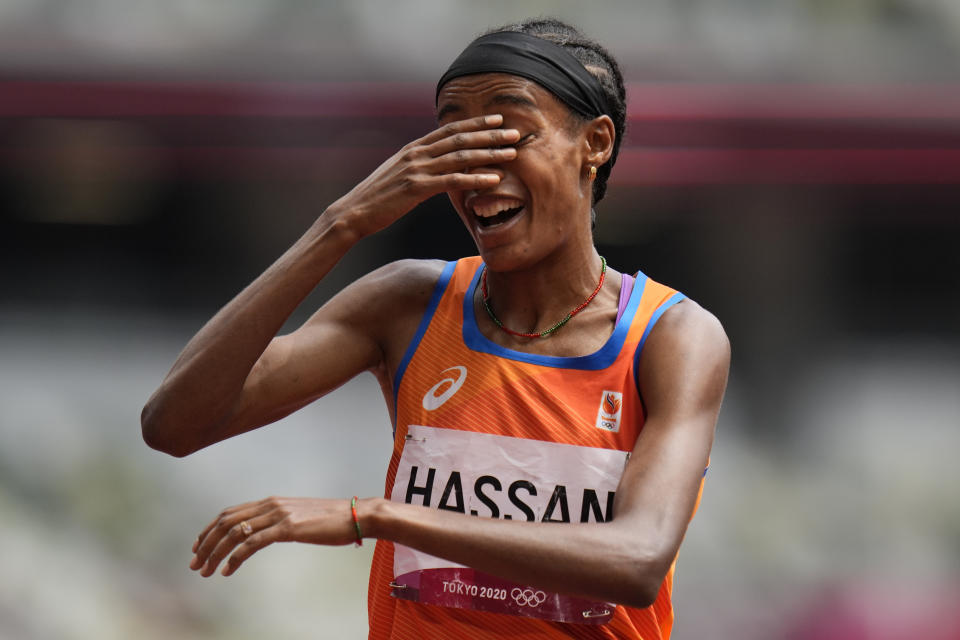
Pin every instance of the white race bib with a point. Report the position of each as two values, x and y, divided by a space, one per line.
497 476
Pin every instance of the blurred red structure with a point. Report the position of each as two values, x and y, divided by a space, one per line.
677 134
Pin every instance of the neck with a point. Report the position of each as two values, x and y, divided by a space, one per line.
532 299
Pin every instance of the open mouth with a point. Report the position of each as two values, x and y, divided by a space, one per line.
499 218
493 213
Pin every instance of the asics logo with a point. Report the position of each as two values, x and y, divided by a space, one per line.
444 390
528 597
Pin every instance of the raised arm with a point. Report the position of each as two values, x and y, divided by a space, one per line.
234 375
683 372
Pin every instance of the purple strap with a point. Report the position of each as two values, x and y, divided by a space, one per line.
626 288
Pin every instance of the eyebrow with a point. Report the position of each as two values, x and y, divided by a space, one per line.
500 99
447 109
511 99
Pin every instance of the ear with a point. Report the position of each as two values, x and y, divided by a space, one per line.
599 135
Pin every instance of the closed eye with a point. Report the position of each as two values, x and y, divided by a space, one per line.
522 141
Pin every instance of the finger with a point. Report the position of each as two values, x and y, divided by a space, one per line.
236 536
254 542
470 124
473 140
217 529
467 158
211 535
226 513
461 181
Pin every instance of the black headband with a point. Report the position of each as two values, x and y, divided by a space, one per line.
546 63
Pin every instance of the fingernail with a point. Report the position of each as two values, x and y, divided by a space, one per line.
494 119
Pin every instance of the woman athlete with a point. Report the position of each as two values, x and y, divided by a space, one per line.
553 417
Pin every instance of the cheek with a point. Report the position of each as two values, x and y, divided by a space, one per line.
559 158
556 180
543 169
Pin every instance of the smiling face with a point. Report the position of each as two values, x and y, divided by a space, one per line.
542 204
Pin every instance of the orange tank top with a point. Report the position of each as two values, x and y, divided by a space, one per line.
493 432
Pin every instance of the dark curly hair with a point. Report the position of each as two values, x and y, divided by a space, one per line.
598 61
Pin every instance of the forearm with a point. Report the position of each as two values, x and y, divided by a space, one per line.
188 409
605 561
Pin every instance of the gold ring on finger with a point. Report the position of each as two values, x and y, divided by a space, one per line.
245 528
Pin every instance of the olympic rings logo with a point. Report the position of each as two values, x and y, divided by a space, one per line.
528 597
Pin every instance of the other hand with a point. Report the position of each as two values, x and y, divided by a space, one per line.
247 528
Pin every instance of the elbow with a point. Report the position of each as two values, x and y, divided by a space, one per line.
643 592
645 580
158 436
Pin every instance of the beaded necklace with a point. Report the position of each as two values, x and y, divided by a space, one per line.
545 332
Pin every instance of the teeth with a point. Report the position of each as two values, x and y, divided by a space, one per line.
490 208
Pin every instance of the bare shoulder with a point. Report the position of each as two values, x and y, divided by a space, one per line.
689 323
384 298
402 280
686 359
385 305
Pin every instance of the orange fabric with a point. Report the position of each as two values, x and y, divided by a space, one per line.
505 396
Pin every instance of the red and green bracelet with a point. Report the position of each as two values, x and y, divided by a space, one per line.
356 521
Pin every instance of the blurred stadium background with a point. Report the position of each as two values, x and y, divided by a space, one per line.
792 165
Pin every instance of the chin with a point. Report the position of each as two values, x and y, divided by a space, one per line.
507 257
